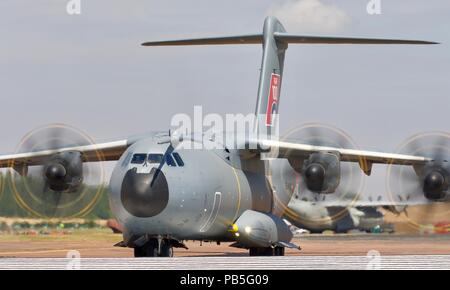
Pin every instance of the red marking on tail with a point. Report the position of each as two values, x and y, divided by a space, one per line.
272 102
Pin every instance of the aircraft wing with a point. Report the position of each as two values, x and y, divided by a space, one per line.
91 153
364 158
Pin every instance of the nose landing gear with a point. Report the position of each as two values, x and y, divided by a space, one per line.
154 248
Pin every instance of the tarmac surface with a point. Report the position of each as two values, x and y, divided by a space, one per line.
100 245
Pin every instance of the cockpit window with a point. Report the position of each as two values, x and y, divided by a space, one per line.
155 158
169 160
178 159
138 158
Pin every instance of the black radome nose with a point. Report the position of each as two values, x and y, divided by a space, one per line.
144 194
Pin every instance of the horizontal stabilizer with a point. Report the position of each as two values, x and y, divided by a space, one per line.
236 39
291 38
281 37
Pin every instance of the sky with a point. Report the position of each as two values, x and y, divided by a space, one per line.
89 70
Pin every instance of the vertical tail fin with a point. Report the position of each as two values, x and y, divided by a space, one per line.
270 79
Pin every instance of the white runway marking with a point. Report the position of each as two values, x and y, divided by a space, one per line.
235 263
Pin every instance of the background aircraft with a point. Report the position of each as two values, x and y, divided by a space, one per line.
163 194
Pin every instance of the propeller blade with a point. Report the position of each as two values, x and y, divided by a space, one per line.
35 193
405 182
351 176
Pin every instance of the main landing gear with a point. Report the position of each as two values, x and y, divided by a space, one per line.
277 251
154 249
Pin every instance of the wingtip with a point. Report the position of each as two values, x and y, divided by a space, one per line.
430 42
150 43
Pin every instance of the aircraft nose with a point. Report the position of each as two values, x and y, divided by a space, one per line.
144 194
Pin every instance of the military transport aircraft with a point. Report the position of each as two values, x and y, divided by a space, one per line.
162 193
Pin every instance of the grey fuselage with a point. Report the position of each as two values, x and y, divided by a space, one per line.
197 201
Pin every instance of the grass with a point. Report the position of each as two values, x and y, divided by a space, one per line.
77 235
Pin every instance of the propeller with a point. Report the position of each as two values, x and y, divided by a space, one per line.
310 175
428 183
64 186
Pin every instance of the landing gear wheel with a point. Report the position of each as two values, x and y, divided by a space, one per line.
149 249
166 249
269 251
139 252
278 251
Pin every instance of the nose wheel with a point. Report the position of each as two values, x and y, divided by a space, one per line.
152 249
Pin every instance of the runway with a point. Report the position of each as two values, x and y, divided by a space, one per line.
374 262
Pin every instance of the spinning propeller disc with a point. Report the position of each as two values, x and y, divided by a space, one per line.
351 182
403 183
30 188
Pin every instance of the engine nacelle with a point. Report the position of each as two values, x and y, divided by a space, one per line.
435 178
322 172
64 171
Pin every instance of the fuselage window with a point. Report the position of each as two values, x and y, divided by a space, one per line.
138 158
155 158
169 160
178 159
